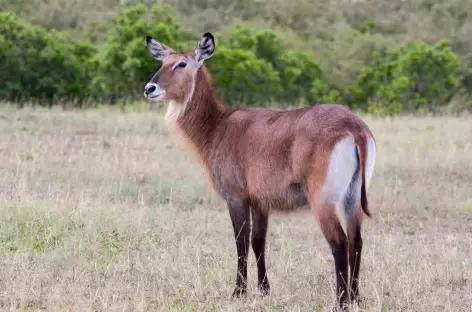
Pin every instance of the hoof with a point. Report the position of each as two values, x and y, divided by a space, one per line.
238 292
342 307
264 288
357 299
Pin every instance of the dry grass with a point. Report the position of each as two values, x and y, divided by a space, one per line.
101 210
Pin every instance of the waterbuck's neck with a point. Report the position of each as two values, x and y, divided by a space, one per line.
203 114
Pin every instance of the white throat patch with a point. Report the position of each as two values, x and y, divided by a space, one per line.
174 109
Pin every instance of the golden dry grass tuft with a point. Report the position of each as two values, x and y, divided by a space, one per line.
102 210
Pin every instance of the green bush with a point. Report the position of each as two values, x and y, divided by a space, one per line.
241 78
347 52
418 76
264 44
297 71
249 67
357 63
243 67
125 63
321 93
42 65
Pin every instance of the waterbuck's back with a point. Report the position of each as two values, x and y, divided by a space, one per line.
267 155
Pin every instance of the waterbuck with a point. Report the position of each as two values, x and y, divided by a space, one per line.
265 160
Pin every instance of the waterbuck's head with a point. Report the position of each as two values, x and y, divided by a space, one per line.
175 81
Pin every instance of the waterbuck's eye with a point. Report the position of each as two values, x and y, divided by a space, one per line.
181 65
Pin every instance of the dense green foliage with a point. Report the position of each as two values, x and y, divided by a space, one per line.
364 62
42 64
407 79
125 63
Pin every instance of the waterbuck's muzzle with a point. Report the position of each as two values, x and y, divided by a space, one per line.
153 91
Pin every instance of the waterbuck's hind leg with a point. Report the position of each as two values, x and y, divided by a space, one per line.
259 233
240 218
355 252
337 239
336 202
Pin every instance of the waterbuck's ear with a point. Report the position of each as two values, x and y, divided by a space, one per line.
205 48
158 50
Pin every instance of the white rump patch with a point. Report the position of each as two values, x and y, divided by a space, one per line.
342 166
370 161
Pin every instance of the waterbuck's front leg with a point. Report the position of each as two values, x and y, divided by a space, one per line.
239 213
259 233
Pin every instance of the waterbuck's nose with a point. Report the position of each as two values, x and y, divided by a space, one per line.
150 88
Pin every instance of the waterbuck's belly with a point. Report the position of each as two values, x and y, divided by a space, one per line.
289 198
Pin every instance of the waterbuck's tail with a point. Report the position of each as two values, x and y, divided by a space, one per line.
362 154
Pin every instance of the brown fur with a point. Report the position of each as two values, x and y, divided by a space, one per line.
264 159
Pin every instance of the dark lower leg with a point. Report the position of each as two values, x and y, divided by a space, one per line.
339 251
259 231
355 251
239 213
337 240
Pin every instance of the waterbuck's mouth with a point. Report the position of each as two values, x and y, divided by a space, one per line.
154 97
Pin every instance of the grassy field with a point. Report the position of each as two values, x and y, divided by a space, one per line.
103 210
